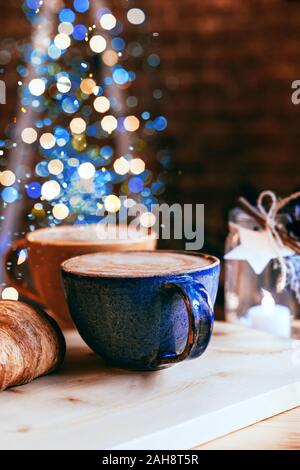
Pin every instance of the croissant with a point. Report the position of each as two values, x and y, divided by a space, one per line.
31 344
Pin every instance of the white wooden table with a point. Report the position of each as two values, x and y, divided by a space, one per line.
244 377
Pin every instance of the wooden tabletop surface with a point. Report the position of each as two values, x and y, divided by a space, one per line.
281 432
244 377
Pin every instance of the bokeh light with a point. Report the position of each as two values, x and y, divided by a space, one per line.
97 43
34 190
7 178
10 194
80 32
112 203
81 5
137 166
118 44
108 21
62 136
109 123
110 58
153 60
60 211
147 219
22 256
88 86
66 28
70 105
62 41
47 140
55 167
67 15
131 123
29 135
121 166
53 52
101 104
63 84
136 184
86 170
160 123
136 16
120 76
34 4
37 86
38 211
78 125
50 190
9 293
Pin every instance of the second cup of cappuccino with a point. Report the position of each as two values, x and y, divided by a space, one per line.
48 248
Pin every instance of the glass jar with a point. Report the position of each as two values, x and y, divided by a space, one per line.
254 300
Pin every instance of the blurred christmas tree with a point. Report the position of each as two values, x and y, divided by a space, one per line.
79 129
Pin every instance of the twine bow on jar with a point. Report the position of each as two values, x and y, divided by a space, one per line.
277 234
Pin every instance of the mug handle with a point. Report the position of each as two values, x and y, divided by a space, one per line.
200 320
22 287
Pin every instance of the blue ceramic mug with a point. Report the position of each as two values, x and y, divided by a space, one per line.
143 310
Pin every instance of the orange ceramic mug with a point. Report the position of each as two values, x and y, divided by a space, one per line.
49 247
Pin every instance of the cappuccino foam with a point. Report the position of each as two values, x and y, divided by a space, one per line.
93 233
136 264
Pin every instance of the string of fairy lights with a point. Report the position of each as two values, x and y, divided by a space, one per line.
78 119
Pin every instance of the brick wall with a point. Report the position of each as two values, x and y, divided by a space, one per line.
232 123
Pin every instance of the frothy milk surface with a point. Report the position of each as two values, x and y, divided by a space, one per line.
136 264
97 233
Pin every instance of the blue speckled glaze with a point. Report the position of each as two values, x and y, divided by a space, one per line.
143 323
